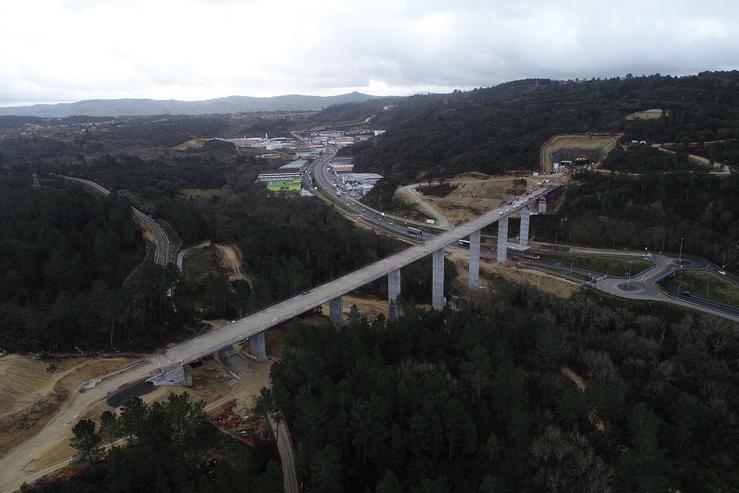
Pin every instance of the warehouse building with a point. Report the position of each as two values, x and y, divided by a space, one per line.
294 165
281 182
359 183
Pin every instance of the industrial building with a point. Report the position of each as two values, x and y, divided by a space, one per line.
281 182
297 165
359 183
341 165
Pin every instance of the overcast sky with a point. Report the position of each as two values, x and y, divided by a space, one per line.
68 50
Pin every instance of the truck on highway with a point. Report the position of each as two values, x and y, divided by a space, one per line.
414 231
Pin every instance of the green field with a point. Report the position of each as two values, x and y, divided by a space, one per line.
201 193
705 285
604 264
285 186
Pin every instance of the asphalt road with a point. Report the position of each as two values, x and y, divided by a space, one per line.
645 285
161 240
379 221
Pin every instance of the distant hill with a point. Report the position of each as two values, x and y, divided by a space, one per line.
496 129
145 107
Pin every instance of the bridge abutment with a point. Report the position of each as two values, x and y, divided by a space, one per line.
174 376
524 230
334 311
393 292
502 253
473 280
437 280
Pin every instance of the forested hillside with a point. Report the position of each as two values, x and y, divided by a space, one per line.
503 127
61 252
528 394
651 211
643 158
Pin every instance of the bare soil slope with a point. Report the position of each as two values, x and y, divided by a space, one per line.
584 142
475 194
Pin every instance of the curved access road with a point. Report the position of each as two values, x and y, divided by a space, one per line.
410 193
645 285
162 254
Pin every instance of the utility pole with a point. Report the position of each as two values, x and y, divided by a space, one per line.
680 260
628 282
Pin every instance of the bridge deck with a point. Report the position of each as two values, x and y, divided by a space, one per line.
215 340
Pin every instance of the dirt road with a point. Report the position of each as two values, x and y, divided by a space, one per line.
410 195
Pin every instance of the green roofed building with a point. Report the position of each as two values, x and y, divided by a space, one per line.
281 182
285 186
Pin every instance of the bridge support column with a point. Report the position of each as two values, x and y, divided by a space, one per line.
258 345
524 230
393 291
543 204
502 240
334 310
437 280
473 281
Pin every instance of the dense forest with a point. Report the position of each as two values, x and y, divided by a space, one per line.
64 256
500 128
651 211
524 393
169 447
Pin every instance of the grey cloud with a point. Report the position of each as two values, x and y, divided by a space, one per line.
263 48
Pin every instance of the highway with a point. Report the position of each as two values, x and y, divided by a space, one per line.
645 287
161 240
391 225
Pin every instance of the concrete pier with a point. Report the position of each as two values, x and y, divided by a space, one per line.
393 292
543 204
524 232
334 310
258 345
473 281
502 240
437 282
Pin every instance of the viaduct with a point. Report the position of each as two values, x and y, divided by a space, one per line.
253 326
